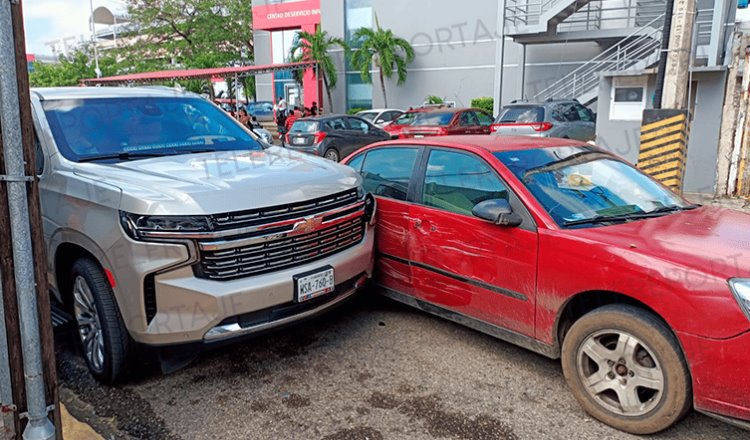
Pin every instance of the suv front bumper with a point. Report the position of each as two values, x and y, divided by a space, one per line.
191 309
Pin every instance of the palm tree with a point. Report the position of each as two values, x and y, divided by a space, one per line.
315 47
382 49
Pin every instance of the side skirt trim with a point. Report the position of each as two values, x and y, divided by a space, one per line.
552 352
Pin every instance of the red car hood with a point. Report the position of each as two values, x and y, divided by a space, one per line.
714 241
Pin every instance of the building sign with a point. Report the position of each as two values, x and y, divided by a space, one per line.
286 15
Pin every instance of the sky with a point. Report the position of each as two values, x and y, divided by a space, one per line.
48 20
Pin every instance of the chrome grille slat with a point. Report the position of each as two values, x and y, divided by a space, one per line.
275 213
284 252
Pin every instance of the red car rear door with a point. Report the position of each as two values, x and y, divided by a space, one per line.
387 173
462 263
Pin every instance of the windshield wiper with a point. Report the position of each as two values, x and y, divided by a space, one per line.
119 156
126 156
673 208
628 217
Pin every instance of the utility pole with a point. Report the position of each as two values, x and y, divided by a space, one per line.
24 216
676 76
665 129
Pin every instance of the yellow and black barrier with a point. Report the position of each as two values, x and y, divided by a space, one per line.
663 151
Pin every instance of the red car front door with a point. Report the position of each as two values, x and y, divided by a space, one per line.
387 173
465 264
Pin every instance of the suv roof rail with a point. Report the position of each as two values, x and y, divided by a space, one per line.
562 100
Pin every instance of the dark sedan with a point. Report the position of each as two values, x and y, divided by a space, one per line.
333 136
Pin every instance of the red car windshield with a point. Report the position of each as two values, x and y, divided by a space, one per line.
582 186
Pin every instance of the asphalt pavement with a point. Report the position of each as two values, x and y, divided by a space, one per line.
372 370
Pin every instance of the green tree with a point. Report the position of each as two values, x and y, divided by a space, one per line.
382 49
308 47
70 70
170 34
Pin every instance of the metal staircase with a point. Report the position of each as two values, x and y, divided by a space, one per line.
538 17
637 51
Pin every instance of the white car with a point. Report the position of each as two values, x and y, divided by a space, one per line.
381 117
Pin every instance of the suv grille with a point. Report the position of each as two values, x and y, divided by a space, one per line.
288 248
272 214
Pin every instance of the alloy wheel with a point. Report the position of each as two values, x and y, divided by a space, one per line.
332 155
621 373
89 324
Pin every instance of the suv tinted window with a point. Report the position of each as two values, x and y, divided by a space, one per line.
522 114
387 171
457 182
584 113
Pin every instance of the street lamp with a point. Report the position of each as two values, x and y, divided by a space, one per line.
93 41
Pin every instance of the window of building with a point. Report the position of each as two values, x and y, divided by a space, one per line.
457 182
358 15
387 171
628 99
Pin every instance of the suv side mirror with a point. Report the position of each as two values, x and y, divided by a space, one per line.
497 211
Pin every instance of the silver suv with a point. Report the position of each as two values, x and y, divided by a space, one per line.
168 223
566 119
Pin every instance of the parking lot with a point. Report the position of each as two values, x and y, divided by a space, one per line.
370 370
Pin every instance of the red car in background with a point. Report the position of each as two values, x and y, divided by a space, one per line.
567 250
447 122
396 127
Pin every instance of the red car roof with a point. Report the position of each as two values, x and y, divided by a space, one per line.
490 143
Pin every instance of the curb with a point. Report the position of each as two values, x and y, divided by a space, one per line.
73 429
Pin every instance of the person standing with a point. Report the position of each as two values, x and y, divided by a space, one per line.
314 109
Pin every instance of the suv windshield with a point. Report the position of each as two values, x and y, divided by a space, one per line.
583 186
522 114
115 129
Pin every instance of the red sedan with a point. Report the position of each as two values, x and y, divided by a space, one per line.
396 127
569 251
448 122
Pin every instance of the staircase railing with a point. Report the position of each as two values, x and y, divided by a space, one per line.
523 15
631 52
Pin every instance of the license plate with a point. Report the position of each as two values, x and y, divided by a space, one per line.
299 140
314 284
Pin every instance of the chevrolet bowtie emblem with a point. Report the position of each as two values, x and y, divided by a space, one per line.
309 224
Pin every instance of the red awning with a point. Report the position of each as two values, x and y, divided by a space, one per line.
174 75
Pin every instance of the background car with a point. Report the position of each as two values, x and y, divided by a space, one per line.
333 136
566 119
396 127
263 110
567 250
380 117
449 122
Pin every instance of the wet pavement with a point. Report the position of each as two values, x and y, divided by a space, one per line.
370 370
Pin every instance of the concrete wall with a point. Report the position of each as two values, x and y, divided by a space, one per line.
623 137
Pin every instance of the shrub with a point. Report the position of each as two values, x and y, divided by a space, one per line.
432 99
354 111
487 104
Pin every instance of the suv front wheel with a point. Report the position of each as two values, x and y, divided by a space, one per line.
626 369
104 339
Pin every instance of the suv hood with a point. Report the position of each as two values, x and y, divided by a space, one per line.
708 240
212 183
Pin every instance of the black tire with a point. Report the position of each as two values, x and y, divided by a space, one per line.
656 359
332 154
114 336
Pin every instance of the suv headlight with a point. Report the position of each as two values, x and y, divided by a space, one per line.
741 290
140 227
